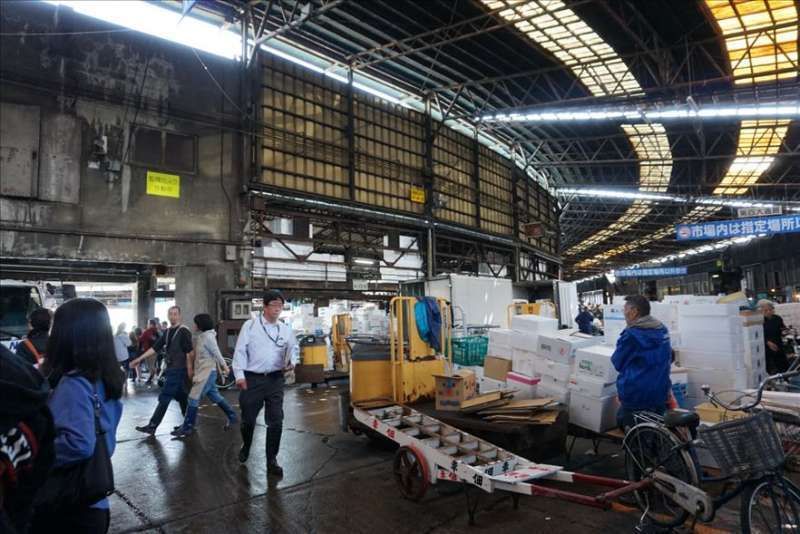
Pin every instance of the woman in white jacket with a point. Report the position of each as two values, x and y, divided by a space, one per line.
207 359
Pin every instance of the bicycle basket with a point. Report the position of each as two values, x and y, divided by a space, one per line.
745 446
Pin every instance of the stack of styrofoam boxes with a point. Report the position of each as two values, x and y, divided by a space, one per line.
712 348
557 361
754 349
525 340
500 347
593 389
613 323
667 313
790 313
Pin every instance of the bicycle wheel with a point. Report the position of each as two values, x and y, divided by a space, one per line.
789 434
770 505
649 446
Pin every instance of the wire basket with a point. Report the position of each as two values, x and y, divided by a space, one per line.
745 446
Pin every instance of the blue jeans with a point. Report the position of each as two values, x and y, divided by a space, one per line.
209 390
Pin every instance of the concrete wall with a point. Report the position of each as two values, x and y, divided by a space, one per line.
87 86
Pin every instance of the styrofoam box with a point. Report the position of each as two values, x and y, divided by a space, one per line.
592 413
558 371
500 336
559 393
499 351
527 341
712 343
719 380
708 310
523 362
596 361
534 323
613 312
667 313
754 332
690 299
719 325
712 360
525 385
591 386
757 363
678 375
561 349
611 336
674 339
490 384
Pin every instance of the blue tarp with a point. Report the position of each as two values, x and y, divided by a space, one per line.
429 321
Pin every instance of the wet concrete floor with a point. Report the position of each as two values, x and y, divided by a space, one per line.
334 482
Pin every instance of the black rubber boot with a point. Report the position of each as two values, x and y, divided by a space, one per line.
155 420
247 440
273 445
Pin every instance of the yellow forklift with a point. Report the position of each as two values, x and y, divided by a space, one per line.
341 328
400 369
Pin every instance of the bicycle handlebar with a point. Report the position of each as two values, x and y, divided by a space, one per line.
780 376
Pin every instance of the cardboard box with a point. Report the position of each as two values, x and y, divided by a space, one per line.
526 341
534 323
477 369
560 372
596 361
496 368
452 390
561 349
559 393
490 384
590 386
524 385
524 362
595 414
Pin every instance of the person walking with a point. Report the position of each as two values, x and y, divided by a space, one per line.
146 342
88 380
177 344
263 353
133 352
34 345
121 342
208 361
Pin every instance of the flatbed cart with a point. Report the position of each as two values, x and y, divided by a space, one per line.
431 451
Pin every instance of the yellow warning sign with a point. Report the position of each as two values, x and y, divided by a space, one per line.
417 195
163 185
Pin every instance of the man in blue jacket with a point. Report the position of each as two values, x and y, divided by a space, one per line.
642 359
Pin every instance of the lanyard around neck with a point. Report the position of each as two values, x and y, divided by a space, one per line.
277 333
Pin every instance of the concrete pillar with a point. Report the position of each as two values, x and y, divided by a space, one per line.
219 276
145 304
191 291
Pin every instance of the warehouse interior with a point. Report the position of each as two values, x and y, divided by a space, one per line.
516 169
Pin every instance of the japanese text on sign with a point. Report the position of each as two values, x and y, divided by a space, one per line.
656 271
417 195
778 224
163 185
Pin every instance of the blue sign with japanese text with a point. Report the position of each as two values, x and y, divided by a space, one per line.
655 271
777 224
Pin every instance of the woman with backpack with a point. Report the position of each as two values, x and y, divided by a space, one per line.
208 362
86 408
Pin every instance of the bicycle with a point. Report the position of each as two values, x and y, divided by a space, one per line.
750 457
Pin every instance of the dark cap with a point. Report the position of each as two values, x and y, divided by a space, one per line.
273 294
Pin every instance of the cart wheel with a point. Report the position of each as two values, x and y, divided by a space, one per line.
411 473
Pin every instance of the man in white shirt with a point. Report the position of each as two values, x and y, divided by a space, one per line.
263 353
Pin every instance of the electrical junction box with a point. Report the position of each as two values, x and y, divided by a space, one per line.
240 309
